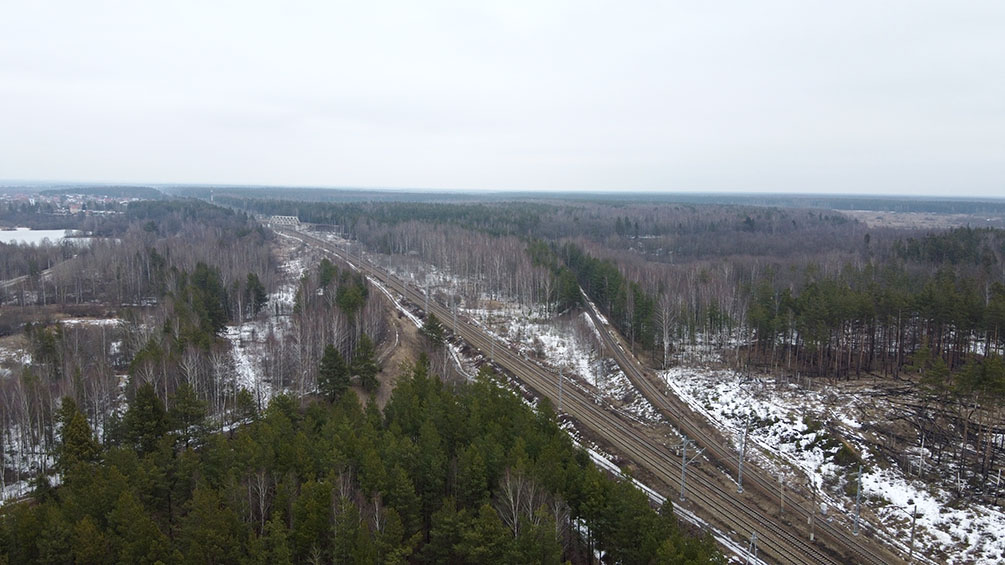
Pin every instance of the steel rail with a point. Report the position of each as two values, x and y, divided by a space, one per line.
776 539
682 417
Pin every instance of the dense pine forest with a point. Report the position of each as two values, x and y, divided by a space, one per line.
464 474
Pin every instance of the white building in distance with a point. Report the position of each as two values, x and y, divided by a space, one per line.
284 221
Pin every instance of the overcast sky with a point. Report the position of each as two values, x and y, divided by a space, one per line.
881 97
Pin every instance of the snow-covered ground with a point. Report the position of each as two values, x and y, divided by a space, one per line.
30 236
800 436
90 321
248 340
571 345
247 350
13 353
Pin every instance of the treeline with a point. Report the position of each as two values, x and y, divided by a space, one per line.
498 219
473 264
22 259
173 344
942 331
983 248
79 360
624 302
637 244
870 319
465 475
168 217
665 232
937 322
826 202
334 312
719 273
844 314
335 315
945 290
658 315
137 252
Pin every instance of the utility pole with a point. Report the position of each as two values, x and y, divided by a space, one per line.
998 484
858 501
684 462
743 450
559 389
914 522
813 514
683 467
752 548
781 495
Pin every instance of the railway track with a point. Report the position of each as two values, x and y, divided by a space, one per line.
684 419
777 541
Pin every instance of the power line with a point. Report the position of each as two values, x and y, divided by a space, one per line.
743 449
684 462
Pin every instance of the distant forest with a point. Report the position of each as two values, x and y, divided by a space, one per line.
934 205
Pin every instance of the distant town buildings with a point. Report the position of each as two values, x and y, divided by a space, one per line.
67 204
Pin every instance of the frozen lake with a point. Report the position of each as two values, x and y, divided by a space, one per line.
34 237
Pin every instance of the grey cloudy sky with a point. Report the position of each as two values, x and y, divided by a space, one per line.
896 97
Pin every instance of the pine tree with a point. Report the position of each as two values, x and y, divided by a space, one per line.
487 541
326 273
276 546
472 480
256 295
433 330
136 537
77 443
364 364
89 544
187 414
311 519
210 532
145 421
446 528
333 375
209 298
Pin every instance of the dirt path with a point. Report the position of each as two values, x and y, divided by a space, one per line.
402 348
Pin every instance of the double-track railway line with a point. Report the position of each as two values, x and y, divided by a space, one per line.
723 507
684 419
